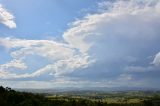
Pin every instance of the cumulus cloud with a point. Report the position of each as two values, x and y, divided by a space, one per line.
100 45
6 18
122 29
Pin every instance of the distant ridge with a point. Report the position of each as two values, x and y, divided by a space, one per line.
99 89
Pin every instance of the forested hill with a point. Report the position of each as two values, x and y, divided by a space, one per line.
9 97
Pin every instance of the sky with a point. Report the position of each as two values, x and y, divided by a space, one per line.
85 43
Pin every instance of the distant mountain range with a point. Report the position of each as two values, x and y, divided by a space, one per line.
91 89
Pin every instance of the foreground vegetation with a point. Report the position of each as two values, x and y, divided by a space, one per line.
9 97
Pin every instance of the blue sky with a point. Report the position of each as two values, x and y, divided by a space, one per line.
86 43
40 18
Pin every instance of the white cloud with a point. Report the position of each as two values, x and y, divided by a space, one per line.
117 31
6 18
156 60
13 64
63 59
124 21
123 28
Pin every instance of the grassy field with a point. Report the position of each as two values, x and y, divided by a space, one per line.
128 97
